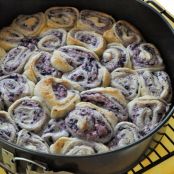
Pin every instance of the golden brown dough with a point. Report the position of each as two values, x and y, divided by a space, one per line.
61 17
70 57
123 32
107 98
77 147
39 66
58 95
30 25
91 122
10 38
88 39
95 20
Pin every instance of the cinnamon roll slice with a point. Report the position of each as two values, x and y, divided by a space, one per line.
77 147
52 39
15 60
146 112
156 83
29 25
32 141
115 56
123 32
7 129
127 81
13 87
29 113
145 55
40 66
107 98
89 75
70 57
54 130
10 38
94 20
59 95
90 122
125 133
88 39
62 17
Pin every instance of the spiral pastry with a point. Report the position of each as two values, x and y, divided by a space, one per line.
107 98
7 129
52 39
127 81
88 39
146 112
70 57
115 56
125 133
77 147
89 75
145 55
9 38
13 87
123 32
90 122
59 95
29 113
15 60
61 17
40 66
32 141
94 20
29 25
54 130
156 83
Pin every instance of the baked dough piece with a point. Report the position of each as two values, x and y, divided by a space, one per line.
156 83
29 113
127 81
13 87
55 129
52 39
32 141
30 25
90 122
70 57
115 56
8 128
10 38
123 32
58 95
39 66
77 147
15 60
62 17
89 75
88 39
125 134
146 112
145 55
94 20
107 98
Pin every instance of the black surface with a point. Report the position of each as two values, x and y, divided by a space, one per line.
154 29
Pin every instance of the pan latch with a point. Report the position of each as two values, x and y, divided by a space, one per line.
7 161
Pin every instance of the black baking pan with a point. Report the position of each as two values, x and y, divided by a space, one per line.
154 28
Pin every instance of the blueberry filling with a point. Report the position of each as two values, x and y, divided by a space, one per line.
60 91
